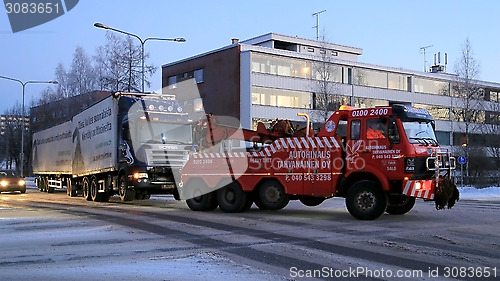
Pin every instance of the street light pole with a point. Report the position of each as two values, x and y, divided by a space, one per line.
23 116
179 39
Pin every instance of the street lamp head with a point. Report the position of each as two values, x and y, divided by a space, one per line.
180 39
100 25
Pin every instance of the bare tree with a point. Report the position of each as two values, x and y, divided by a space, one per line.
467 100
326 84
81 75
12 136
119 65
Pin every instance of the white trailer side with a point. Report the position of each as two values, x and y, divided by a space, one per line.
95 142
52 150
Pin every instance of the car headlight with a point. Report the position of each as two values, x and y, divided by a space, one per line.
4 183
22 182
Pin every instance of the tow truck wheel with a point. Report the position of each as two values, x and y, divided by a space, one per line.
126 194
365 201
86 189
311 201
272 196
231 198
204 202
402 206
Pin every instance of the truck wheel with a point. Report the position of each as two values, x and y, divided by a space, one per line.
205 202
365 201
402 206
126 194
86 189
311 201
272 196
70 189
94 190
231 198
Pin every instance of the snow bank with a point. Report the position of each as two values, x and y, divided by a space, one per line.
470 192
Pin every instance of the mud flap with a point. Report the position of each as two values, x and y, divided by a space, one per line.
446 194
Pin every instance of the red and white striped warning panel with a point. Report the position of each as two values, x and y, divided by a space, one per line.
419 189
308 143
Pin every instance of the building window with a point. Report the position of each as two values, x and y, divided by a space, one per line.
443 138
198 75
398 82
280 98
370 78
494 96
438 112
430 86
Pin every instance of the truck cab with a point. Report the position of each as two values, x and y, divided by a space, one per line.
155 139
394 148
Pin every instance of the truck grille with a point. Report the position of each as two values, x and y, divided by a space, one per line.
421 171
171 158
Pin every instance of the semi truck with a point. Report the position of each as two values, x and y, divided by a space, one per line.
379 159
127 144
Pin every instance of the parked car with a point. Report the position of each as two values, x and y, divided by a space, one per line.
11 181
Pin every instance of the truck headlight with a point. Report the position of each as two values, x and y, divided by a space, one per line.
410 165
140 176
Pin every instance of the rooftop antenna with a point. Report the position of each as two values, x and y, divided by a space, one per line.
317 23
422 50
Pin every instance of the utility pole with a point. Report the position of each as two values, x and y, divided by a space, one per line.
317 23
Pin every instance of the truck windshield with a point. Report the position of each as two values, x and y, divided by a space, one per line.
162 132
420 132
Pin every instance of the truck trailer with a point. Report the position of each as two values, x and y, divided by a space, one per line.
127 144
379 159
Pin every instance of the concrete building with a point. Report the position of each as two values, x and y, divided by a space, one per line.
276 76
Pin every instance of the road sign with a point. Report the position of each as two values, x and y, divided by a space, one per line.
462 160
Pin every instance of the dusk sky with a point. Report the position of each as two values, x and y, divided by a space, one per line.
390 33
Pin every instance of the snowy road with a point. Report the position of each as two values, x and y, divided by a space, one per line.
51 236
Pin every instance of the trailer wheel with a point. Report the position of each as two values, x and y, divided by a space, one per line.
126 194
401 206
41 184
272 196
365 200
86 189
70 189
311 201
231 198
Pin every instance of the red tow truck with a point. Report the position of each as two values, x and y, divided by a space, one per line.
379 159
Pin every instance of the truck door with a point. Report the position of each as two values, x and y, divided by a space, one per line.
382 145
